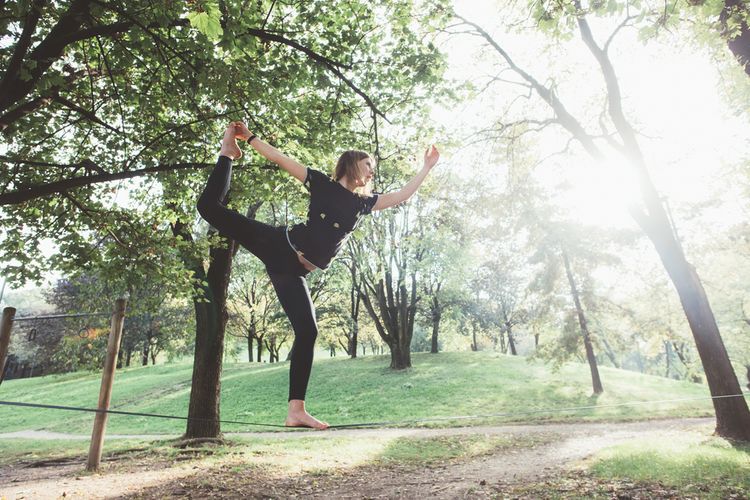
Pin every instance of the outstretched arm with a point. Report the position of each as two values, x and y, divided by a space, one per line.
270 153
387 200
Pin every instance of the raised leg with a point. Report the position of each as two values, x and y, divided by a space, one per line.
260 239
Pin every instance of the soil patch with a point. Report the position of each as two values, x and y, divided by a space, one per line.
538 455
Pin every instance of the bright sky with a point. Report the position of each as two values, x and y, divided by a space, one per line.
690 137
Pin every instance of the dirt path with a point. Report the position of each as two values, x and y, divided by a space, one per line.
485 476
559 447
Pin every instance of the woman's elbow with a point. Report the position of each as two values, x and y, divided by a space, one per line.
399 201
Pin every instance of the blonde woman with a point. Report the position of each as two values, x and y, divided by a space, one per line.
336 206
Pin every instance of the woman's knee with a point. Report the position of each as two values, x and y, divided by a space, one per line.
204 206
209 208
306 333
313 332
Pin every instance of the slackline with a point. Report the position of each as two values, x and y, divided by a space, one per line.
373 424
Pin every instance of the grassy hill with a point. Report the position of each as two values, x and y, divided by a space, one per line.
346 391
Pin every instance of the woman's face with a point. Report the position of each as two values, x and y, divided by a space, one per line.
365 166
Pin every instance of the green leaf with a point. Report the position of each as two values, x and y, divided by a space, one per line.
207 22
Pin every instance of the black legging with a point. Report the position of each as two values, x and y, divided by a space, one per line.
287 274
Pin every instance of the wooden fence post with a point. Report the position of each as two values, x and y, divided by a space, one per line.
6 324
105 393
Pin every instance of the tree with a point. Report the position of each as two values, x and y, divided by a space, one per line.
729 18
735 23
732 414
349 318
590 357
274 341
506 292
155 321
567 253
643 328
253 306
444 234
96 70
389 280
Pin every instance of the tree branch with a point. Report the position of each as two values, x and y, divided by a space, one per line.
94 217
614 99
23 44
47 52
563 116
93 31
38 191
330 64
22 110
614 33
84 112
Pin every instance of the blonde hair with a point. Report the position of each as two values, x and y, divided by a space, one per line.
348 166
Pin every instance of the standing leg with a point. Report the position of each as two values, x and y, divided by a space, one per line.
295 299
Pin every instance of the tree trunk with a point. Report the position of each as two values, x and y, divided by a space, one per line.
205 390
436 316
400 356
146 346
250 348
595 380
397 306
511 341
272 351
353 336
259 351
732 414
355 298
737 10
210 320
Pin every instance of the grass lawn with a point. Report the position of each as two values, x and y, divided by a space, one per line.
674 464
677 460
346 391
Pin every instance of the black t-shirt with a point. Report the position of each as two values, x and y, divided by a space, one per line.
333 214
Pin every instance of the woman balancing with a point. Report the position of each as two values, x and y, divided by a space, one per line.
336 206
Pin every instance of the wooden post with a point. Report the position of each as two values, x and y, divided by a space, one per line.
105 393
5 326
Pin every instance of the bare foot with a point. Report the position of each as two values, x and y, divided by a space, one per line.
229 145
305 420
298 417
